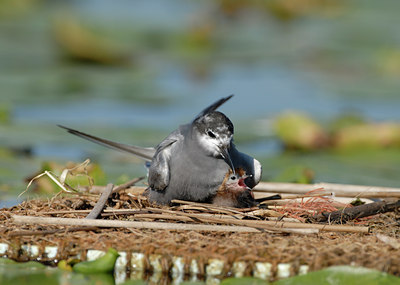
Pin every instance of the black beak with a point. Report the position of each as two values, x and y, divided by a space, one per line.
227 158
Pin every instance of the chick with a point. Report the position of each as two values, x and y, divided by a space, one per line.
233 191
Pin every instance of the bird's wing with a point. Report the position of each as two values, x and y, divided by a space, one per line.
213 107
249 164
159 173
145 153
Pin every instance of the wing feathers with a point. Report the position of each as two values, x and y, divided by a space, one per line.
145 153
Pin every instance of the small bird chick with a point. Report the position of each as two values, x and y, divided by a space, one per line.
233 191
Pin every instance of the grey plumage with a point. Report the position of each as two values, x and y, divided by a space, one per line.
191 162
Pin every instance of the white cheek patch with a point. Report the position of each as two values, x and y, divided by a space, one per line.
209 145
257 171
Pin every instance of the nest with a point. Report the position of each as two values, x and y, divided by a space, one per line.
264 244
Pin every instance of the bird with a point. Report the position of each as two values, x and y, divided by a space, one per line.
234 192
192 162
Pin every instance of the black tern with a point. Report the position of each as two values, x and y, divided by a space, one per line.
192 162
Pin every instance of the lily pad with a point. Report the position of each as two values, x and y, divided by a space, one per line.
342 275
103 264
299 131
34 273
244 281
6 261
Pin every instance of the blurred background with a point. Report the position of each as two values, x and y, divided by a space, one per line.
316 84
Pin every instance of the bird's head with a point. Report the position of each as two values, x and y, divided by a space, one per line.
236 181
214 132
234 192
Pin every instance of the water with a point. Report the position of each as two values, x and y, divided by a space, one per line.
184 55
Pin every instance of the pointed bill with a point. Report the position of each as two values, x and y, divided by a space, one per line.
226 156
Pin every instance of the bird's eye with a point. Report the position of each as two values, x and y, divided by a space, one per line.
211 134
233 177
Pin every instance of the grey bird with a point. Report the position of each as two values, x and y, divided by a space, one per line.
192 162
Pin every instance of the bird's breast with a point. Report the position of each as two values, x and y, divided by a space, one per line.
196 176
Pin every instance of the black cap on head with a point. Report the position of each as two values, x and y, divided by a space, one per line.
215 121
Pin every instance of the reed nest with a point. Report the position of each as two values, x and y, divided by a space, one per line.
272 235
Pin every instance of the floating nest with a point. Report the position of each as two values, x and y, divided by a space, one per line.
267 250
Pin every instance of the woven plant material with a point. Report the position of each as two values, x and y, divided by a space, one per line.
317 250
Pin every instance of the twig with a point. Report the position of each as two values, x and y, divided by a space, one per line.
393 242
283 219
49 232
294 208
117 211
128 224
213 207
143 213
101 202
248 225
127 184
339 190
214 219
156 216
265 213
285 197
60 181
137 189
327 228
307 231
357 212
207 210
229 220
62 212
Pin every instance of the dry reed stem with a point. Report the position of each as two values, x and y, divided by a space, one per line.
241 225
290 197
128 224
127 184
339 190
142 213
229 210
95 212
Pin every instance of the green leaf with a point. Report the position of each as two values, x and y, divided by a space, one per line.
135 282
342 275
7 261
244 281
102 264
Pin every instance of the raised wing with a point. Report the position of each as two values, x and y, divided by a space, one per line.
159 173
145 153
213 107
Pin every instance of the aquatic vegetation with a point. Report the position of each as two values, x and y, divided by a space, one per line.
299 131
